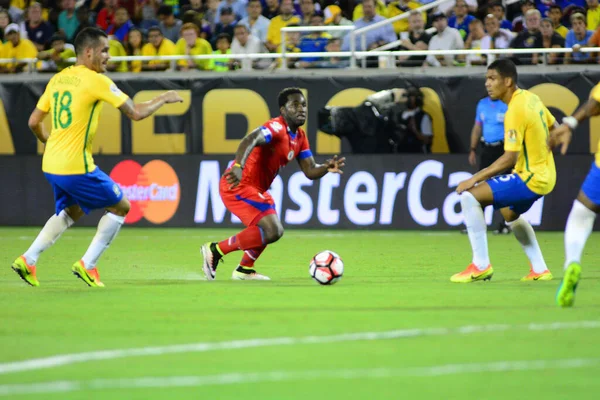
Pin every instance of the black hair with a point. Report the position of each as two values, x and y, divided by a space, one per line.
165 10
88 37
505 68
155 29
283 96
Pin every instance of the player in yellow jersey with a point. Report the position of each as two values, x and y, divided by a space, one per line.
580 222
526 128
74 98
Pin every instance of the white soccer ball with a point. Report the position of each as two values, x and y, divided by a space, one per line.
326 267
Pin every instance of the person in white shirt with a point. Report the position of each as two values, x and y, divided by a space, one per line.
255 21
496 38
246 43
474 40
446 39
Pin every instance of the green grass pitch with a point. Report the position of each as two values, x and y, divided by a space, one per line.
432 339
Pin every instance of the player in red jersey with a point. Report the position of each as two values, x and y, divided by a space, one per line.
244 184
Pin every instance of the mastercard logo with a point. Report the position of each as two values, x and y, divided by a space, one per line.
153 190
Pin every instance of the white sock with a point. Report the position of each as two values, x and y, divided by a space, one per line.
108 227
524 233
579 226
55 227
477 229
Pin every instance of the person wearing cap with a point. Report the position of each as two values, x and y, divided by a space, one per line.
67 20
375 37
380 9
38 30
57 53
285 18
238 7
17 48
226 25
255 21
157 45
169 25
519 22
333 17
446 38
578 37
191 44
400 7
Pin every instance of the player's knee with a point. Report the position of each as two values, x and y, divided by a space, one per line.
273 233
122 208
467 200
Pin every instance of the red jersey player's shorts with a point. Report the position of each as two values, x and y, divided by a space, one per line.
246 202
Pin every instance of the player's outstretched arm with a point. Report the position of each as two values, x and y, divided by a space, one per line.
36 125
143 110
313 171
561 135
506 161
255 138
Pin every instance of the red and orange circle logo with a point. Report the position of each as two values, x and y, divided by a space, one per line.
153 190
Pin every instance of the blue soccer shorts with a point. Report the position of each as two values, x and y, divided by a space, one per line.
510 191
591 185
91 191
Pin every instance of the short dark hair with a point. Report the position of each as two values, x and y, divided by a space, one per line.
555 7
505 68
155 29
283 96
88 37
497 4
225 36
253 1
165 10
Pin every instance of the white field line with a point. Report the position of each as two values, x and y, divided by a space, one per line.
282 376
68 359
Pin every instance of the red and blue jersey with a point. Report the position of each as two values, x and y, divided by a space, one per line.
283 145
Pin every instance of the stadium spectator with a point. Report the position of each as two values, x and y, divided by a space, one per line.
16 14
498 9
83 16
238 7
121 25
307 8
209 17
38 30
473 42
94 7
555 15
448 7
271 10
116 49
577 37
461 18
531 38
16 47
380 9
191 44
194 5
285 18
314 42
497 38
174 4
145 13
133 47
245 42
446 38
400 7
519 22
593 15
223 44
418 39
106 15
57 55
255 21
375 37
157 45
551 40
333 17
226 25
169 25
292 41
67 20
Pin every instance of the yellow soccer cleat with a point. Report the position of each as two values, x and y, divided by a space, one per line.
565 296
472 274
533 276
26 272
91 277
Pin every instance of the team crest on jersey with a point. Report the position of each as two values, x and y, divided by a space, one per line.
291 155
512 136
276 126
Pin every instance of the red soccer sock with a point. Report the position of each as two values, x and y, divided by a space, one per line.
249 238
250 256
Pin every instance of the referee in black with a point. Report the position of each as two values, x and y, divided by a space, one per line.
488 131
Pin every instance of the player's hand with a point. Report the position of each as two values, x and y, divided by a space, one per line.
472 158
172 97
465 185
233 177
334 165
560 135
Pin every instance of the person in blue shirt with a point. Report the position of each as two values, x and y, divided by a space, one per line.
498 9
576 38
488 131
314 42
461 18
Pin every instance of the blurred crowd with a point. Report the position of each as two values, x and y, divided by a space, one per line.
46 30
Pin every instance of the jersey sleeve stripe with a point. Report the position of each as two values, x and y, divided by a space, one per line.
304 154
267 133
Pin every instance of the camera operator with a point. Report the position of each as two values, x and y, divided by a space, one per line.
415 125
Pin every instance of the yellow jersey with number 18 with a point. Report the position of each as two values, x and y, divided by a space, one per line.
596 96
73 98
526 128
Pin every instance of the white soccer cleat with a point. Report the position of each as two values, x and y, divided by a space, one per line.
253 276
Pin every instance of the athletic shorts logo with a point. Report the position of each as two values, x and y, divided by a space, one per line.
291 155
153 190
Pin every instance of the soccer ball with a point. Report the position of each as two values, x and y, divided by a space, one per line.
326 268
